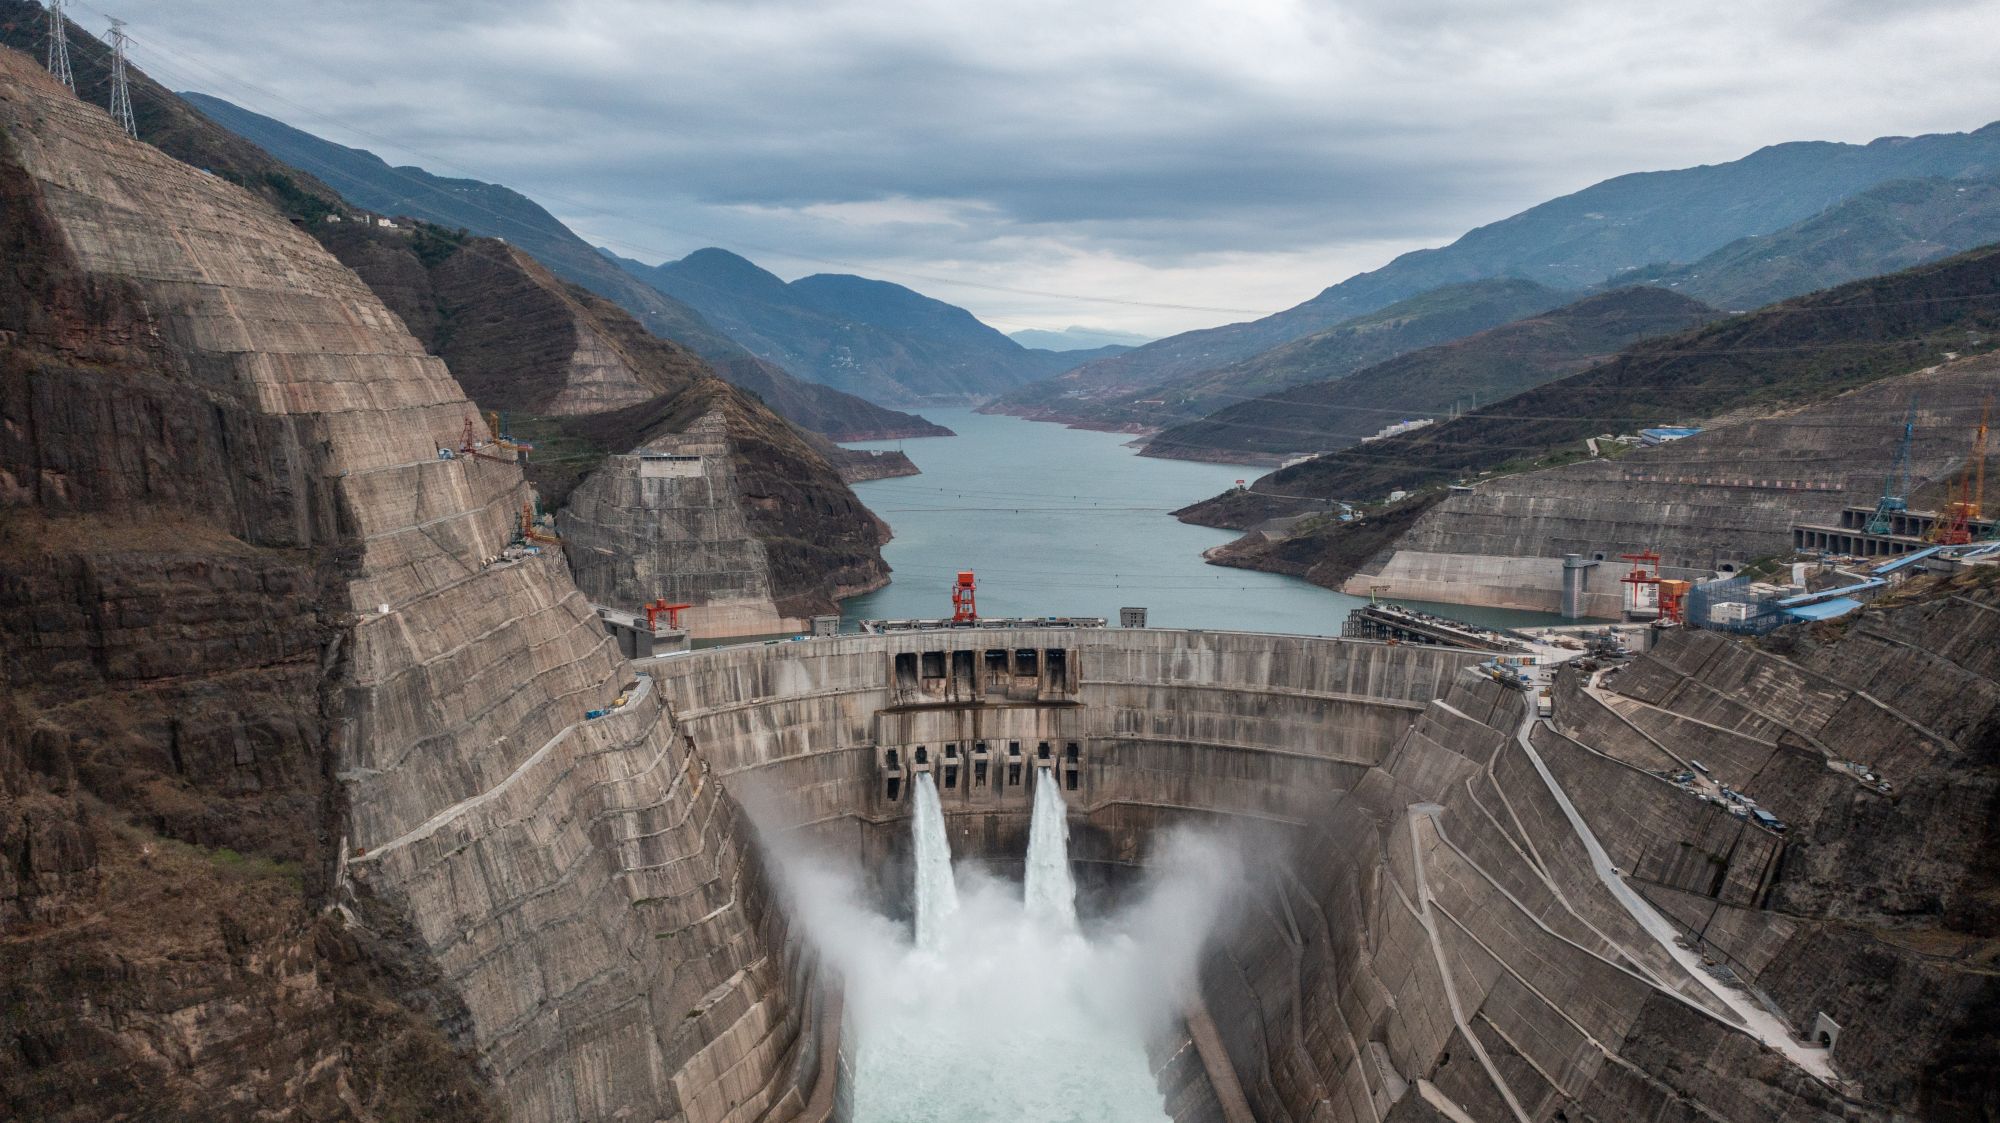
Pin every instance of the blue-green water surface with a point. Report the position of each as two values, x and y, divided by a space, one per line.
1066 522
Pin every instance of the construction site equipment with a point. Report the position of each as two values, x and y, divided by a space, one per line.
660 608
1966 495
1896 485
1642 585
531 530
469 444
1673 599
964 610
1732 605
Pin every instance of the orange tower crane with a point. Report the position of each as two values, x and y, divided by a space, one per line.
530 532
963 609
1966 495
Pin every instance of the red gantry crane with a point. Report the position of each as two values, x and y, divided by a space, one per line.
963 609
1647 595
659 608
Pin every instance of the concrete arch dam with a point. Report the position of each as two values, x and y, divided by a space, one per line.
1429 931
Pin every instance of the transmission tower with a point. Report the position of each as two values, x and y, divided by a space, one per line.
121 89
59 46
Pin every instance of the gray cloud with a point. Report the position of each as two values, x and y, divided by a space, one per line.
1191 152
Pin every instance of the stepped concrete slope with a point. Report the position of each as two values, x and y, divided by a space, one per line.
581 380
1728 495
576 892
669 519
1465 914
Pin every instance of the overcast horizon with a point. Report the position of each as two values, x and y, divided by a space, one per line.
1145 168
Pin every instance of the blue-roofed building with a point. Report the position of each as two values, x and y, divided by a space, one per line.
1825 610
1660 436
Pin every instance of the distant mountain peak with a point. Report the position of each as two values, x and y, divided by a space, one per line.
713 265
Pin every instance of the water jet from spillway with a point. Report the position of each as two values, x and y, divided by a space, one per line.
1050 892
936 892
995 972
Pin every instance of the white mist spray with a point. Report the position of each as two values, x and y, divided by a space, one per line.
936 892
994 1013
1050 893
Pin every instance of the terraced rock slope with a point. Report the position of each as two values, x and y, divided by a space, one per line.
260 662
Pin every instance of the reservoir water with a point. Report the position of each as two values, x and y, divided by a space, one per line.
1067 522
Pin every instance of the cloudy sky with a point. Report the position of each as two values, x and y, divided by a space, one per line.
1140 165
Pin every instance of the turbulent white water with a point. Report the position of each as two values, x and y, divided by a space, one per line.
1050 893
936 892
998 1012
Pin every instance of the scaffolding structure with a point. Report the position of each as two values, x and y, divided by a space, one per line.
1732 606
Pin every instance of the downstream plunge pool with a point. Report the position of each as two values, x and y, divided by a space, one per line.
1067 522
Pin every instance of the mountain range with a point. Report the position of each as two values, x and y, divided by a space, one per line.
1582 240
369 182
1798 351
1077 338
1434 381
1432 317
1892 226
873 338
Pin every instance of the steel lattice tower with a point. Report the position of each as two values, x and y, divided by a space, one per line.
121 89
58 61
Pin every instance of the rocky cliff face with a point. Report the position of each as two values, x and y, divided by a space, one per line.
297 802
496 211
767 534
1882 911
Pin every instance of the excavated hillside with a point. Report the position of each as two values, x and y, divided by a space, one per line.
1884 912
299 809
1725 497
173 567
775 524
1783 357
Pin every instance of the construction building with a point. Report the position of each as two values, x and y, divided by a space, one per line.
1908 531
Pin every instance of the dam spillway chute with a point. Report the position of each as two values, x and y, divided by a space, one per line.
1050 890
993 976
936 895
